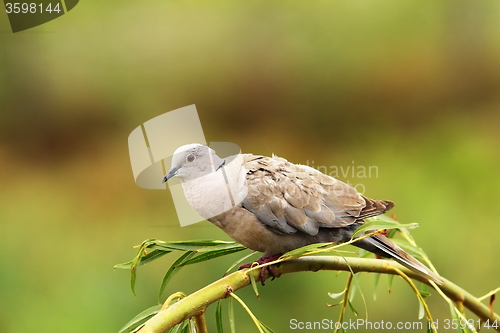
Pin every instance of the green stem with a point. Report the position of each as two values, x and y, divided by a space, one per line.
197 302
345 299
420 298
247 309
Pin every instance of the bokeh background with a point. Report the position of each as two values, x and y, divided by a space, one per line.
410 87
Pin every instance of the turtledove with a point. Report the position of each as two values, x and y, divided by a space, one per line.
273 206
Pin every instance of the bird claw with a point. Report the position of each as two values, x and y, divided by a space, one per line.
268 268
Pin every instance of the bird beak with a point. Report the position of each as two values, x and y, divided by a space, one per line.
171 173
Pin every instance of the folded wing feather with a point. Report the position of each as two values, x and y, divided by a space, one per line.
288 197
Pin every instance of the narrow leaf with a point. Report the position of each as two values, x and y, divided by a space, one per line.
160 248
455 318
210 255
230 314
135 262
305 250
336 295
239 261
352 308
200 246
352 291
247 309
181 328
140 319
421 309
266 328
153 255
125 265
191 327
392 232
424 293
424 290
356 281
173 270
377 278
377 225
381 217
133 277
218 317
363 253
254 285
406 235
390 278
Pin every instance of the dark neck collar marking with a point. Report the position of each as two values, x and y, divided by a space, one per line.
222 164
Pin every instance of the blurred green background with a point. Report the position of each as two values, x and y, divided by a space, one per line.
410 87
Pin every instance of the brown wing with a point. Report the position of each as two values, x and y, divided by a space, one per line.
288 197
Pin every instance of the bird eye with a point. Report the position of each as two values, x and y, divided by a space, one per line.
190 158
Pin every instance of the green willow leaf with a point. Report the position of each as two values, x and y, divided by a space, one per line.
254 285
421 309
204 256
173 270
306 250
239 261
363 253
206 250
125 265
180 328
353 289
230 314
352 308
250 313
153 255
381 217
406 234
133 277
133 273
390 278
218 317
196 245
377 278
392 232
140 319
135 262
377 225
455 318
424 291
189 327
266 328
336 295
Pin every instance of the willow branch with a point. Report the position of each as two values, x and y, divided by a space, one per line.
196 303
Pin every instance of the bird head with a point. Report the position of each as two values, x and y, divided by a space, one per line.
193 161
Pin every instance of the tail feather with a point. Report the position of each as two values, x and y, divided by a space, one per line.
382 246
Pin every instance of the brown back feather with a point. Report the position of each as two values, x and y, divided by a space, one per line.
288 197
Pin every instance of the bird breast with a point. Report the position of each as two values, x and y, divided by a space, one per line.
217 192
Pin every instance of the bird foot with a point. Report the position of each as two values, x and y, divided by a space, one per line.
269 268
